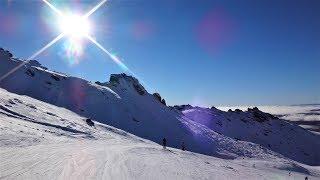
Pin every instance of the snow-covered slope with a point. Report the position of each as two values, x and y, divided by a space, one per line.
261 128
42 141
123 103
305 115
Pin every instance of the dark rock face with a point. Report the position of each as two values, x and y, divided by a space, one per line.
115 79
139 88
30 73
55 77
182 107
34 63
158 97
163 102
99 83
213 108
8 53
5 54
238 110
255 109
260 116
89 122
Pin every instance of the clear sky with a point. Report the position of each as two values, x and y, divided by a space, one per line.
203 52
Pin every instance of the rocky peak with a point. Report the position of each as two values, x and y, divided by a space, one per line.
5 54
214 108
126 80
183 107
259 115
158 97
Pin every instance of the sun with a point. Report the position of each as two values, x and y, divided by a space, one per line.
75 26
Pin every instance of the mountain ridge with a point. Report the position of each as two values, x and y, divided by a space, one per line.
124 103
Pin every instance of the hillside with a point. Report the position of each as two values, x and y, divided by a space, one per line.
123 103
305 115
261 128
42 141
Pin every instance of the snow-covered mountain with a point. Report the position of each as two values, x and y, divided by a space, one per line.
123 103
261 128
305 115
42 141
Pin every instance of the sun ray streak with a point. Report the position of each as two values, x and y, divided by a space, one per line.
94 9
116 60
53 8
32 57
46 47
113 57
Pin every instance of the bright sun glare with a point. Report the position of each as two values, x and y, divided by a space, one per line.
75 26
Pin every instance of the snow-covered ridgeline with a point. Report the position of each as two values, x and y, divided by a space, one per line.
124 103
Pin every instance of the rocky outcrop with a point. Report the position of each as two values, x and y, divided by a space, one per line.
30 73
89 122
99 83
213 108
117 79
163 102
182 107
5 54
158 97
260 116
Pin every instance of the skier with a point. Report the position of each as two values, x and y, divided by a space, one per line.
183 147
306 178
164 143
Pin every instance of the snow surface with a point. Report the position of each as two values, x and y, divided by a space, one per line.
42 141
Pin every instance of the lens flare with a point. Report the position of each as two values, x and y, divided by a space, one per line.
73 50
76 29
95 8
74 26
112 56
53 8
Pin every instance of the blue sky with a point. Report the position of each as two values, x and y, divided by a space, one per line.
207 52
